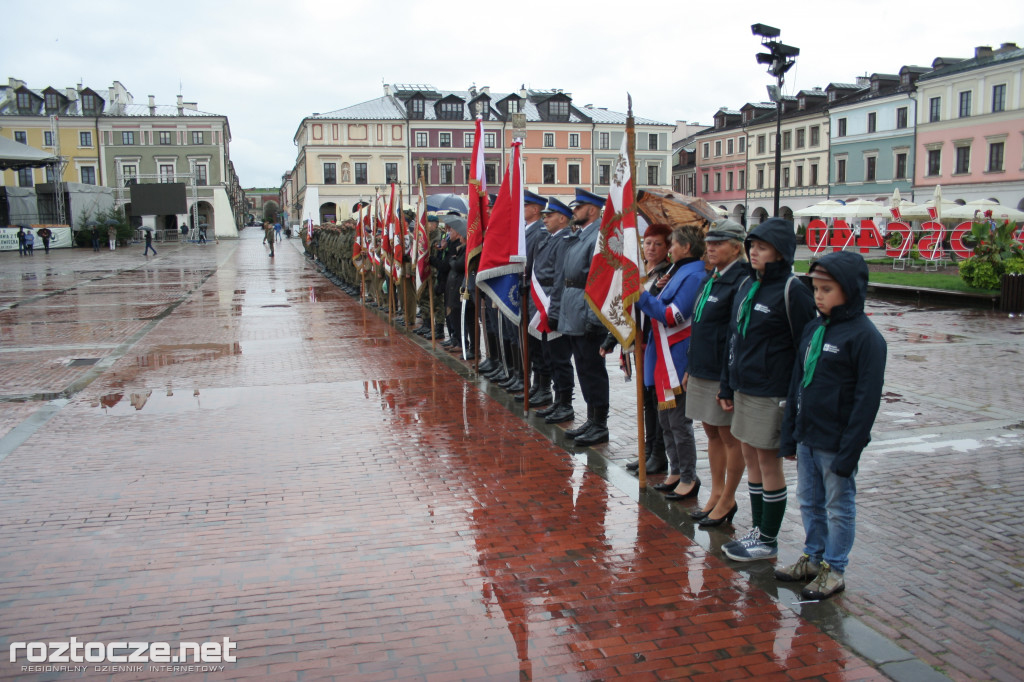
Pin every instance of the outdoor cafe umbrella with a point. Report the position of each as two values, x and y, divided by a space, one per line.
975 210
817 210
859 208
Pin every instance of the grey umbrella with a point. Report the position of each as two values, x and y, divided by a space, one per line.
91 223
447 202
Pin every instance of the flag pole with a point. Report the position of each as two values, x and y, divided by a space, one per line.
364 254
638 356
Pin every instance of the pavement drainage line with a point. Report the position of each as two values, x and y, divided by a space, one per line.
23 431
884 655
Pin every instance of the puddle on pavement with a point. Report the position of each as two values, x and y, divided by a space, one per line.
162 356
170 401
918 337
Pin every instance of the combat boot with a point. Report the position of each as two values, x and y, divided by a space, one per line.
580 430
598 432
563 411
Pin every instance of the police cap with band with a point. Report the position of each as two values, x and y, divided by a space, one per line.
531 198
585 197
556 206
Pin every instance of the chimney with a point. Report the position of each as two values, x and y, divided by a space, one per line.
522 91
181 106
387 90
152 105
486 89
863 81
982 51
1007 47
71 94
14 83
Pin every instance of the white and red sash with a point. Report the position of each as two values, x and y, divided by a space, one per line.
668 332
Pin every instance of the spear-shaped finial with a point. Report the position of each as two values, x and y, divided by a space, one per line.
629 104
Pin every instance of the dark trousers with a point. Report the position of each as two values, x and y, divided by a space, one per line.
559 354
590 367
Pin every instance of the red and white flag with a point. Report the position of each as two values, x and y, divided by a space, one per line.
503 256
613 285
357 245
421 245
477 222
387 234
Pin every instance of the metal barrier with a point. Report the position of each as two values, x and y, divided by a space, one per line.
1011 293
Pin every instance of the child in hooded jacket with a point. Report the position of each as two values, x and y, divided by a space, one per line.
833 399
770 311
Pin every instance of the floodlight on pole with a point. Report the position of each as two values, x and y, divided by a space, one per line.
780 59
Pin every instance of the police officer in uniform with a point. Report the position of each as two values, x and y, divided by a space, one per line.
585 330
548 263
536 232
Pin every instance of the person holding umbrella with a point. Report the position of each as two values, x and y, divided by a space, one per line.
149 242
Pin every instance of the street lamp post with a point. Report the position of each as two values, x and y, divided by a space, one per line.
780 58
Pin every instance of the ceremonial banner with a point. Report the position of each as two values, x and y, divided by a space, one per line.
421 245
503 256
386 252
477 222
613 285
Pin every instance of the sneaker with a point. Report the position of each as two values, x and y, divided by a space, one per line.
753 533
752 549
825 585
801 571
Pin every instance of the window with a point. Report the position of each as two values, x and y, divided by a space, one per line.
760 144
652 175
25 177
741 177
718 182
416 108
652 142
872 121
965 104
801 138
49 173
165 137
490 141
128 173
451 111
85 139
513 105
128 137
24 102
574 140
390 172
21 136
90 105
604 173
815 136
47 138
549 139
785 176
558 109
467 140
491 173
841 128
51 100
707 150
962 163
446 140
422 139
901 117
729 146
200 174
166 172
787 140
995 157
814 175
605 140
841 170
447 173
718 147
901 166
760 178
330 173
934 109
574 174
934 161
360 171
998 98
728 181
743 144
198 137
467 171
799 176
870 168
549 173
704 182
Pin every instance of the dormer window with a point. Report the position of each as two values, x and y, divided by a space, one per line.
89 104
832 96
24 101
52 101
802 103
513 105
416 107
451 111
905 79
558 109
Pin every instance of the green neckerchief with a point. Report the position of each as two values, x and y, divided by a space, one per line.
703 298
813 353
743 321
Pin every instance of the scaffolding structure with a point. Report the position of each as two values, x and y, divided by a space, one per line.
58 172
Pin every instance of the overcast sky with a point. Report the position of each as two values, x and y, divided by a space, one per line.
266 65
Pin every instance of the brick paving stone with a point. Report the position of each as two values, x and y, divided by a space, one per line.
263 458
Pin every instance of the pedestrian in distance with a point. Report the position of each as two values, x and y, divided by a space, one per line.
268 236
149 243
770 311
30 241
112 236
707 356
96 238
277 231
21 240
834 395
45 234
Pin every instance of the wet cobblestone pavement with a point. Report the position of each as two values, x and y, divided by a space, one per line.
212 444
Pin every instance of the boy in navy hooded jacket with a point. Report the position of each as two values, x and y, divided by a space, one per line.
833 400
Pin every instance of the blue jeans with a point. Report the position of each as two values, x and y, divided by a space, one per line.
827 506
